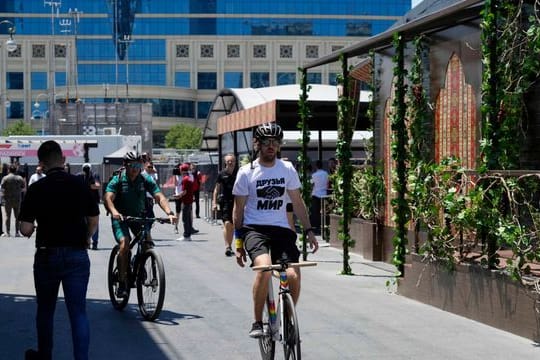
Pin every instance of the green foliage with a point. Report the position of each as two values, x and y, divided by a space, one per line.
304 113
19 128
400 155
183 136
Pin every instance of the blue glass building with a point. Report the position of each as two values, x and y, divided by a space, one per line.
173 54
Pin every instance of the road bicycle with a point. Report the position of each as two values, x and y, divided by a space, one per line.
145 271
282 324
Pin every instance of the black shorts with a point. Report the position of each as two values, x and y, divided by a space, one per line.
226 210
278 241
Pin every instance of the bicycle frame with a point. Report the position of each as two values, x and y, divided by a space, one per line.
275 321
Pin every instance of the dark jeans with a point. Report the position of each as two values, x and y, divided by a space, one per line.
71 267
187 219
315 213
196 198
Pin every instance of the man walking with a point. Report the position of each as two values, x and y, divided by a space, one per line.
224 198
13 186
67 216
92 181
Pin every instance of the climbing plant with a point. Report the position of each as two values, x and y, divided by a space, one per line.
304 113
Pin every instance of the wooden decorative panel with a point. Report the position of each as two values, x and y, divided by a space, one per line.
455 117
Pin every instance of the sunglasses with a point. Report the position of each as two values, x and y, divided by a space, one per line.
270 141
135 165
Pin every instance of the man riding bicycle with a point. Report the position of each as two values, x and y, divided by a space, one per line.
126 196
260 218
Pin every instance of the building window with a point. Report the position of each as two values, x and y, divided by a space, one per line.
39 80
332 78
203 107
15 80
59 51
17 53
207 51
15 110
182 79
232 79
314 78
285 51
260 79
60 78
206 80
182 51
38 51
233 51
312 51
286 78
259 51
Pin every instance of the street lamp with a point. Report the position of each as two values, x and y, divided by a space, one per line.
11 45
37 105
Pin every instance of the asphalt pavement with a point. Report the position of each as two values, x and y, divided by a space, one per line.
208 310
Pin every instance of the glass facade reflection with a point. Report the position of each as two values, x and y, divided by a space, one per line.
159 46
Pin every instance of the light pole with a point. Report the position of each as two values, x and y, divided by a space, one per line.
37 114
37 105
126 40
11 46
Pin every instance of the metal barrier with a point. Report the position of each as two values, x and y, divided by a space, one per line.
210 215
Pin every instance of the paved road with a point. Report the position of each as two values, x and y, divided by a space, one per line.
207 311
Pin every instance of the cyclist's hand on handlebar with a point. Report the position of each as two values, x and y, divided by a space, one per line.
313 243
117 216
241 257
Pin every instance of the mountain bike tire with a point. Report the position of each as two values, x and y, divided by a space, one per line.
291 333
113 281
151 285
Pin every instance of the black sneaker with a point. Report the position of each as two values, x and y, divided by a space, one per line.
229 252
121 291
256 330
194 231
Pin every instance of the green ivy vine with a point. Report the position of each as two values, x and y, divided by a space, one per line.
400 155
304 113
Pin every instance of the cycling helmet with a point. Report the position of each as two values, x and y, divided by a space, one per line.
132 156
269 130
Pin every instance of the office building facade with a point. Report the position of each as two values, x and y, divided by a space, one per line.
175 55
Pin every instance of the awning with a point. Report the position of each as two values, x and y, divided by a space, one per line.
247 118
117 156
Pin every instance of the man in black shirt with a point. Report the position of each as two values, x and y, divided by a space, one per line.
67 216
224 198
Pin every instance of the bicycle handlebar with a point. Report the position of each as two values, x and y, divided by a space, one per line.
283 266
146 220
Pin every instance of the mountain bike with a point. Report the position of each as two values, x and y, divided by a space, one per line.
280 325
145 271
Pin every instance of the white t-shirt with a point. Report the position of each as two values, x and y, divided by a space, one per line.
266 191
320 183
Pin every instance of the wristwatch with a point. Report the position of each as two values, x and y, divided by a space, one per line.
170 213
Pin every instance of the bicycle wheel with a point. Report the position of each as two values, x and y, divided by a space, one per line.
113 281
291 334
267 345
151 285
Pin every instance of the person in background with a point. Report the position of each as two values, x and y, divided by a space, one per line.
13 186
93 183
151 171
186 201
66 217
197 178
36 176
224 199
319 179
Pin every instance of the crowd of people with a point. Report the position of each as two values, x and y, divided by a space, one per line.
243 197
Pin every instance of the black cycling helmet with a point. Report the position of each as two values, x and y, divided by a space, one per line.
132 156
269 130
